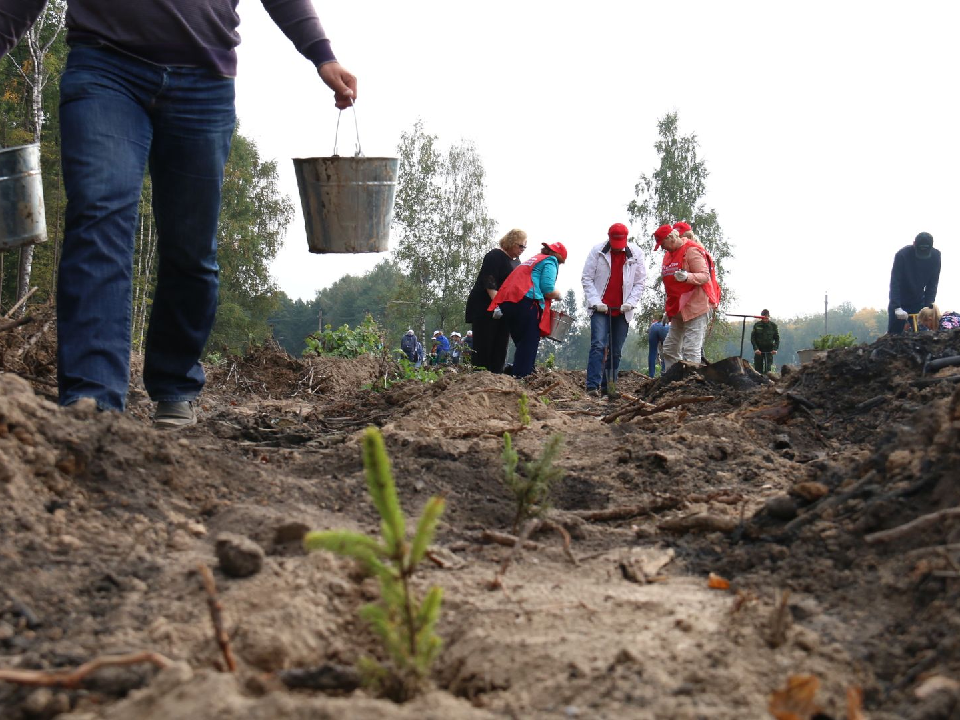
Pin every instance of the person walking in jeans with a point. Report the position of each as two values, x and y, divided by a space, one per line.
613 279
149 85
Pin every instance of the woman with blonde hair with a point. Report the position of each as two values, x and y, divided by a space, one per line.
929 318
490 335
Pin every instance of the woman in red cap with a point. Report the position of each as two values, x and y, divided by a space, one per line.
522 299
686 280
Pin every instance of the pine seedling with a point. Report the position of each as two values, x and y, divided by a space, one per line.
524 409
405 626
531 488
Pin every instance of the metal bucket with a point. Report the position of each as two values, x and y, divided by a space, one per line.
22 218
560 324
347 202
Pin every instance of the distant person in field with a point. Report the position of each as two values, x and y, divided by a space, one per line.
765 339
408 344
441 347
655 336
522 299
613 279
913 281
491 336
456 347
692 293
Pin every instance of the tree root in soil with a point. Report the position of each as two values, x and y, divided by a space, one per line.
644 409
921 523
700 522
625 512
522 540
73 678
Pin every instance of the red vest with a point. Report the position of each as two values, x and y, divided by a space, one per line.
673 261
518 282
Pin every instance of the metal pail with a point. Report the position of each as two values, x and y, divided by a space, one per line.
347 202
22 219
560 324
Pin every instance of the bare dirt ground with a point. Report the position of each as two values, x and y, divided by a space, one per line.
780 488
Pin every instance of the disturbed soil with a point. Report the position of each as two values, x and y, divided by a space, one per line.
728 540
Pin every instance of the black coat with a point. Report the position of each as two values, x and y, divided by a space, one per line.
494 269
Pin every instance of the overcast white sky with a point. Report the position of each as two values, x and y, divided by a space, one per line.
830 129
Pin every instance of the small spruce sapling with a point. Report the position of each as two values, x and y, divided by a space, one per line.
531 488
405 626
524 409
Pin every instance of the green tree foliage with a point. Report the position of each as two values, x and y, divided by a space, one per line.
441 223
675 191
530 486
254 215
404 625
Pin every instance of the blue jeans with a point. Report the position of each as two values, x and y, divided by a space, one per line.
605 330
117 114
523 319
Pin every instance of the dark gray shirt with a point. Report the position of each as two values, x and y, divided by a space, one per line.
197 33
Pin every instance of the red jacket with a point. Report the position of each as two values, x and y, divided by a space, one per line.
518 283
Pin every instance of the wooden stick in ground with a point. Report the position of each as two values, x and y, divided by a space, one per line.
73 678
11 324
494 537
557 527
528 527
921 523
216 615
20 302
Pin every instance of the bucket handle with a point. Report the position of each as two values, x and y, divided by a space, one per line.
359 152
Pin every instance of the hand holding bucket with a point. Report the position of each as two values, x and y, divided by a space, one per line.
347 201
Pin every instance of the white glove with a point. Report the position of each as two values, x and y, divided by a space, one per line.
626 308
900 313
600 308
680 276
497 313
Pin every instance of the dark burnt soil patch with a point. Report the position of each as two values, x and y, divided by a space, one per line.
907 466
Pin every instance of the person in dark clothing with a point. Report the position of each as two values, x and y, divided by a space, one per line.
765 339
408 344
490 335
913 281
655 337
149 86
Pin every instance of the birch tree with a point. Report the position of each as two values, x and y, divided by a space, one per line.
442 224
38 40
675 191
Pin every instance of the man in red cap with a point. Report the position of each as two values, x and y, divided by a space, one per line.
691 294
613 279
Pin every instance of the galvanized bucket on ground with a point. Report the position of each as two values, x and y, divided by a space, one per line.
22 218
560 324
347 202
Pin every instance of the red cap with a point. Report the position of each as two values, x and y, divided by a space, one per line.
618 236
681 227
660 234
559 249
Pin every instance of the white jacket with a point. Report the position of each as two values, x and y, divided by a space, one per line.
596 276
